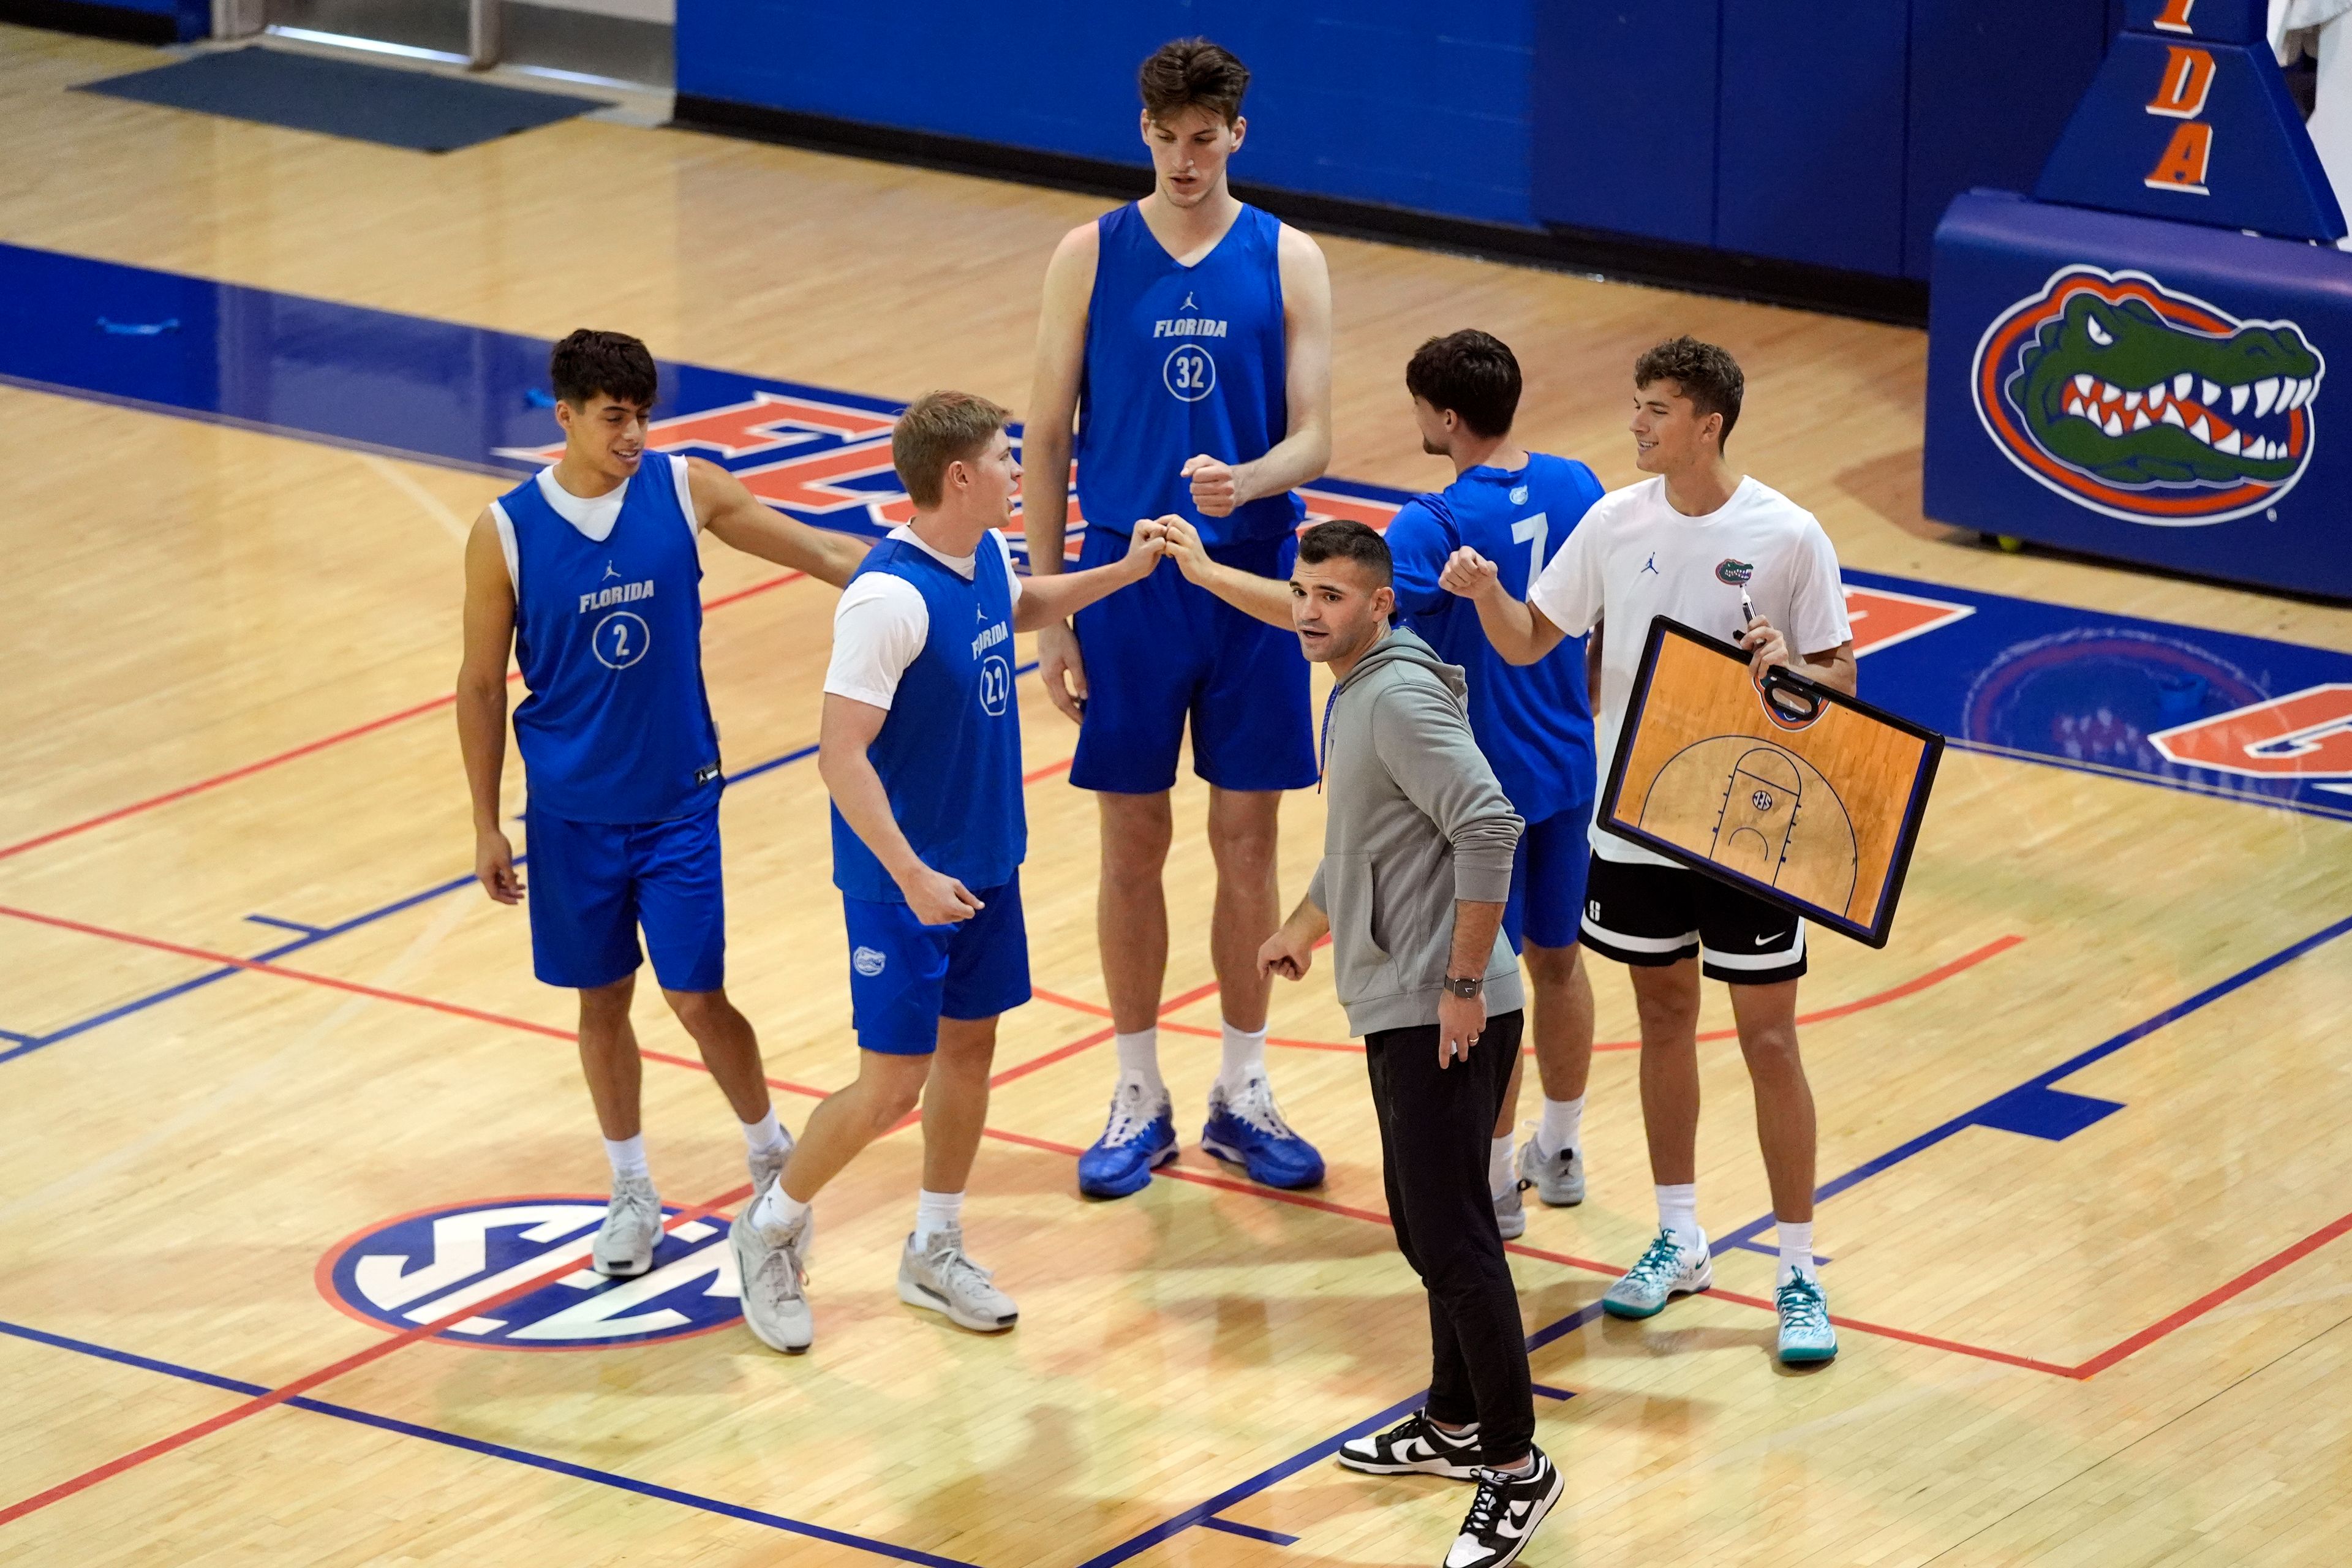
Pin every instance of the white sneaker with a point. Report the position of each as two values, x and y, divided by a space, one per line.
624 1242
1558 1179
1666 1270
772 1275
942 1278
766 1168
1510 1213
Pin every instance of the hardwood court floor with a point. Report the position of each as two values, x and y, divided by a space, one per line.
2027 1376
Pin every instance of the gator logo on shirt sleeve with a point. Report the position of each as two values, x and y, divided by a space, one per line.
1734 572
2147 404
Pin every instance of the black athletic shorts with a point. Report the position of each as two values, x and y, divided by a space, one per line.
1651 916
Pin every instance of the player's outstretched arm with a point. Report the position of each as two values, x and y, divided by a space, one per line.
1518 631
1261 598
1045 448
482 703
742 520
845 730
1220 485
1049 600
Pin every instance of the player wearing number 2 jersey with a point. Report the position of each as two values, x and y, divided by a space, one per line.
1188 337
588 574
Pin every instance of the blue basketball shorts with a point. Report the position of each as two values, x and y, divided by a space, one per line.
1161 652
1548 877
593 884
905 976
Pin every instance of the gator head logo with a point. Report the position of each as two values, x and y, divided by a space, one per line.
1734 572
2146 405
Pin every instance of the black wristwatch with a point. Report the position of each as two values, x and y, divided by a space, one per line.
1467 986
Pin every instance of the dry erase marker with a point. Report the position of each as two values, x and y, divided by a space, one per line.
1747 617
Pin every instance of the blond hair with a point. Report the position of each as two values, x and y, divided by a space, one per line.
939 428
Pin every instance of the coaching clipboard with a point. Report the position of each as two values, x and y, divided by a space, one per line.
1783 788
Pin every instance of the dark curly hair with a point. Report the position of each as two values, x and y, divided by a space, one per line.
1710 377
614 363
1188 73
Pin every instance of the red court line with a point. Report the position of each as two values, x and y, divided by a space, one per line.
1048 771
1911 987
1063 1053
263 966
310 747
328 1373
2212 1299
2086 1370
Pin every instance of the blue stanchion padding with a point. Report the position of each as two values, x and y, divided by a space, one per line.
2193 131
2145 391
2214 21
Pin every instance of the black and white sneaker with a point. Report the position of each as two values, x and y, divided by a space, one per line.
1505 1513
1414 1447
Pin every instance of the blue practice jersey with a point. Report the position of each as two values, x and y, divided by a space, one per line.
609 634
1533 722
1182 360
949 752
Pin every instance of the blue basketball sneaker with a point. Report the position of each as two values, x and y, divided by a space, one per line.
1245 1127
1140 1136
1805 1333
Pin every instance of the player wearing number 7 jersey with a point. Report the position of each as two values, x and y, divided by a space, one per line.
588 574
1534 724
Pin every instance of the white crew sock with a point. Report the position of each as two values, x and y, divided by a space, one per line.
1678 1211
1245 1055
628 1156
935 1212
765 1136
1563 1124
1797 1252
1500 1177
779 1208
1138 1057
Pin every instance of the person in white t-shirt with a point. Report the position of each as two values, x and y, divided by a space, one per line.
1688 544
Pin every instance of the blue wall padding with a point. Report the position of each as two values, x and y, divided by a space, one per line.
1371 101
1625 116
1810 160
1985 109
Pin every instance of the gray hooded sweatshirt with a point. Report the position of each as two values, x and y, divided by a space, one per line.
1416 821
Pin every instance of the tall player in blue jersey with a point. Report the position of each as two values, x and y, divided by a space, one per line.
1533 723
920 747
588 574
1188 337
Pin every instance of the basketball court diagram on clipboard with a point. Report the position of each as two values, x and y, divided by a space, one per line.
1799 793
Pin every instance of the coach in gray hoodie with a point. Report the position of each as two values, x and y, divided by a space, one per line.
1416 868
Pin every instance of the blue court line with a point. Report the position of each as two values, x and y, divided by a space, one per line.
1976 1117
1746 1234
26 1044
1546 1390
490 1450
153 998
1251 1532
296 926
